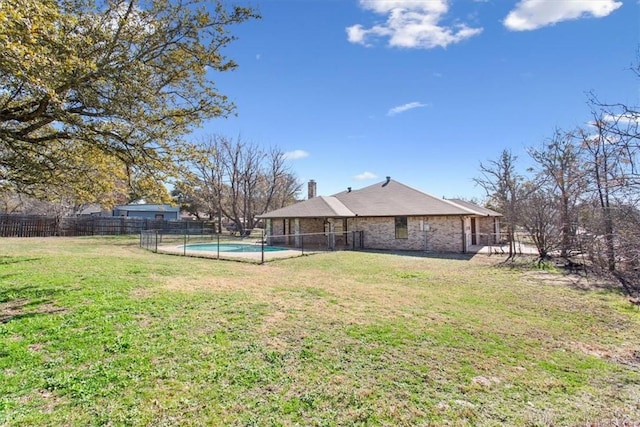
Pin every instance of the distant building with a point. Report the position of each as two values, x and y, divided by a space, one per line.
166 212
94 209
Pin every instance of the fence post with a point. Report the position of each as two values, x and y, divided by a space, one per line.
262 246
186 237
218 256
302 243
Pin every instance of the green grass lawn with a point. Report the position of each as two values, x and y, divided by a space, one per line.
99 332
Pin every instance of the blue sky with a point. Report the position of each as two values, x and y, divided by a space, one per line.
422 91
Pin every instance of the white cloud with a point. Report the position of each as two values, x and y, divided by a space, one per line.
411 24
295 154
534 14
365 176
623 119
356 34
405 107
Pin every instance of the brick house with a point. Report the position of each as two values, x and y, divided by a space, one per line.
387 215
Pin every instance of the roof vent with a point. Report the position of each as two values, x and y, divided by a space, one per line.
348 189
387 181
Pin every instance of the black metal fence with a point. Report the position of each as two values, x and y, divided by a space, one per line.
254 246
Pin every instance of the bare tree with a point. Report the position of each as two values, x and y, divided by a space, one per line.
540 217
239 180
621 123
601 161
560 171
504 188
191 199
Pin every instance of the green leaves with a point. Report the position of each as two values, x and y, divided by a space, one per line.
127 78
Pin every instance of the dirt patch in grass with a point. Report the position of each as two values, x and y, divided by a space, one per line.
627 357
581 282
24 307
623 354
46 399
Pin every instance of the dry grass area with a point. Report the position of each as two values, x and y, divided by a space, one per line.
345 338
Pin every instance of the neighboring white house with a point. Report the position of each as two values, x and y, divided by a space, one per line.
148 211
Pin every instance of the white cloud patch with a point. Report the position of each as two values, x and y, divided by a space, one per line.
295 154
534 14
365 176
623 119
411 24
405 107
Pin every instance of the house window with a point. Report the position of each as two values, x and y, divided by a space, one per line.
402 231
159 216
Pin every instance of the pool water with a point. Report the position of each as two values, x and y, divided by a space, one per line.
232 247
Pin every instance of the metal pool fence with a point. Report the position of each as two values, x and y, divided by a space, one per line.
253 246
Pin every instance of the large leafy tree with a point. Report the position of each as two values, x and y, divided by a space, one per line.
86 84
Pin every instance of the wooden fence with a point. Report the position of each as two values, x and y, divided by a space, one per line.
43 226
27 226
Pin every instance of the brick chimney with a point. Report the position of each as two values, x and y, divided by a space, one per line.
311 190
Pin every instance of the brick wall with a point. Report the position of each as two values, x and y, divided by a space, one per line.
485 226
313 225
444 235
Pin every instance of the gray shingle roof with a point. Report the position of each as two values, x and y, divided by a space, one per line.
390 198
317 207
481 210
396 199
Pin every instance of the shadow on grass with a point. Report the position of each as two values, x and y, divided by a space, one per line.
27 301
4 259
577 276
422 254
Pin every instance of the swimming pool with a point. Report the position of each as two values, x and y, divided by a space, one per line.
232 247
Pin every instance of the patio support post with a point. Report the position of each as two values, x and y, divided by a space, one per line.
268 230
332 236
296 231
